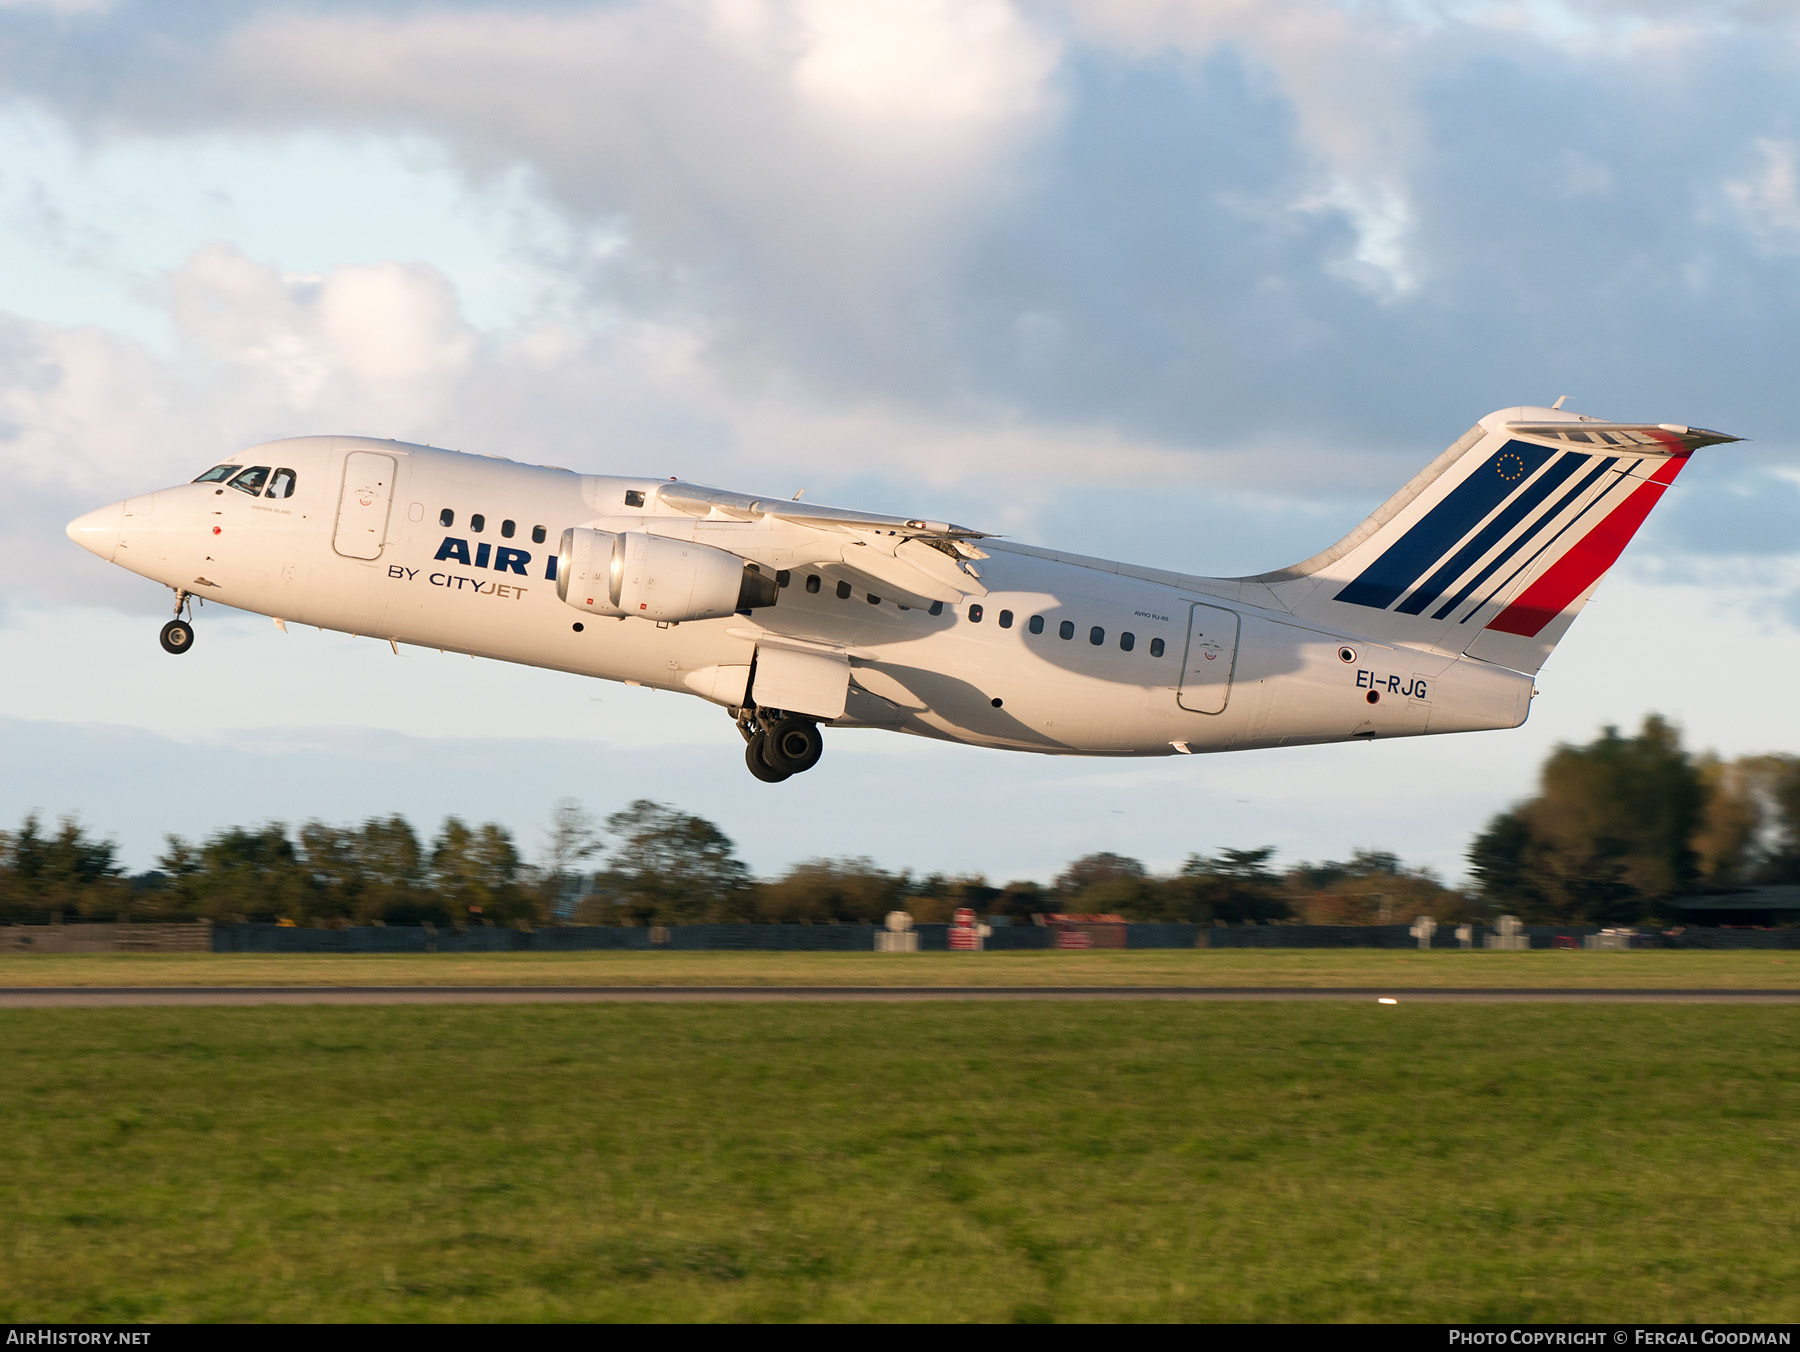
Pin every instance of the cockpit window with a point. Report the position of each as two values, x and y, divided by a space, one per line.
218 474
251 480
282 485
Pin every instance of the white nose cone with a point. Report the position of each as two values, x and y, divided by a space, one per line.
98 532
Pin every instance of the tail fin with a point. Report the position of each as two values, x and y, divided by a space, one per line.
1496 545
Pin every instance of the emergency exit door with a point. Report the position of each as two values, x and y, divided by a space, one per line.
363 505
1211 654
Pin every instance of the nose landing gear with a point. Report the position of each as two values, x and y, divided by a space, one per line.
779 746
178 634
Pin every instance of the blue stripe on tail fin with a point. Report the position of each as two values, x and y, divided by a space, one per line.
1501 560
1553 477
1436 533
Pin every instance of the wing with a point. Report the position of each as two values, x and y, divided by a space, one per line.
907 560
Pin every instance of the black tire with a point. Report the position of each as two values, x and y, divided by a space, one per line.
177 636
795 745
759 765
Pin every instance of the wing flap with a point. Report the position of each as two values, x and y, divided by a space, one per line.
899 580
695 500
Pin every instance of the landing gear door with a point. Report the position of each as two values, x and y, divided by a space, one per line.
815 683
363 505
1211 654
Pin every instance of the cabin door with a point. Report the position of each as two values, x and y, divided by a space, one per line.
363 505
1211 654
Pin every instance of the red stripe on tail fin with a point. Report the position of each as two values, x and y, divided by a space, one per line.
1587 559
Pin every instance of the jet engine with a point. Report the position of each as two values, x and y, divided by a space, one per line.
631 573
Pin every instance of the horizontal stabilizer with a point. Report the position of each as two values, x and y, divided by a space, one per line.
1592 434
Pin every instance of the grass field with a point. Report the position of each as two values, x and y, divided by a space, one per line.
1663 968
1095 1161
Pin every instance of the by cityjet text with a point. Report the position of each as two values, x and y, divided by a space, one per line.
1619 1338
74 1338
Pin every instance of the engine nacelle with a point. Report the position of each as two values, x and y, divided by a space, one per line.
631 573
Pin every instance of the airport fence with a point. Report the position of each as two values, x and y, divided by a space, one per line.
107 937
685 938
260 938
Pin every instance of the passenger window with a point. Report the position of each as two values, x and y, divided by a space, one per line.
843 590
1066 629
477 522
874 600
812 583
1127 641
633 498
1037 624
446 517
537 535
251 480
974 614
506 530
1156 647
1096 636
783 577
282 485
937 607
1006 619
218 474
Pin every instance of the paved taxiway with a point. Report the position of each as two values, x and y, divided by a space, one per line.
88 997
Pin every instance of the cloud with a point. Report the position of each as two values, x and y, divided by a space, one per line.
88 417
1769 197
384 327
1291 247
797 162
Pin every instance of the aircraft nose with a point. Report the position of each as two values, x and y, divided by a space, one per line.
98 532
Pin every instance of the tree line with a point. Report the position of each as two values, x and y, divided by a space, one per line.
1617 828
1620 825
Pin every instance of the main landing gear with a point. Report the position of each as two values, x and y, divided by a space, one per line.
779 745
178 634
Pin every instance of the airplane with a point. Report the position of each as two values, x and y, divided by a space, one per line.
1433 616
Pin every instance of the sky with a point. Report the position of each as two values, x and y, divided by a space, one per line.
1191 284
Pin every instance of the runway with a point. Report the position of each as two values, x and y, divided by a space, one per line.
100 997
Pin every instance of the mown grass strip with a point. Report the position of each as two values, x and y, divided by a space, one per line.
902 1162
1651 968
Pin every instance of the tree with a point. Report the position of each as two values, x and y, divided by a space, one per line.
573 836
1371 887
672 868
69 872
1108 884
820 891
477 874
1233 887
1610 833
1094 869
238 871
372 872
1506 861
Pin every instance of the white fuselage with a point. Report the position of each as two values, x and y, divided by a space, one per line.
1205 666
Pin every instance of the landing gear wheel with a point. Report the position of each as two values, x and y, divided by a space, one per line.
177 636
794 745
759 765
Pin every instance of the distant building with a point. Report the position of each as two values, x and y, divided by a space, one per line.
1764 906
